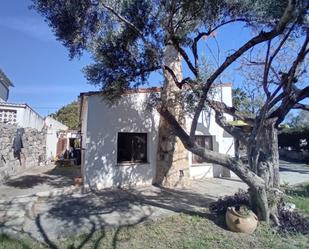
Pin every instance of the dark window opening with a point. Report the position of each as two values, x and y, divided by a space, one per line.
205 142
132 147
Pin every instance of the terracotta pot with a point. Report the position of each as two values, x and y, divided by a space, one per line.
240 223
78 181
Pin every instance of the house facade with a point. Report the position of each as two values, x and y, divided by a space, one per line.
5 84
119 141
20 114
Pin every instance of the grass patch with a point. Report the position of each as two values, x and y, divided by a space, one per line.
6 242
299 195
302 203
179 231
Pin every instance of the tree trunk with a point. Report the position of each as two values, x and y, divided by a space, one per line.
263 158
172 158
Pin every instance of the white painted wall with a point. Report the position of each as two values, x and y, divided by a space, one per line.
101 124
222 141
4 92
84 128
25 116
32 119
53 128
99 139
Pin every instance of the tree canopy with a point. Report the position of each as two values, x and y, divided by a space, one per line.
127 38
68 115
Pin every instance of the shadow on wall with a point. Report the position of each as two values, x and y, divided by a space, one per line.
204 128
103 124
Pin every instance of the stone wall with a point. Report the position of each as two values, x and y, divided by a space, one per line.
33 153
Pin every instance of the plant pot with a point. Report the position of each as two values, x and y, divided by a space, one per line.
78 181
237 222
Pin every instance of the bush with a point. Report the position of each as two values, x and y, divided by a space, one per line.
292 137
220 206
292 221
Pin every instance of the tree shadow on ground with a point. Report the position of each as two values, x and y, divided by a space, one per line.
80 245
94 222
58 177
180 201
127 205
100 210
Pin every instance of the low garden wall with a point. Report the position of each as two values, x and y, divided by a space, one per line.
32 154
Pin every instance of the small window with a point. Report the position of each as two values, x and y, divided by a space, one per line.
8 116
205 142
132 147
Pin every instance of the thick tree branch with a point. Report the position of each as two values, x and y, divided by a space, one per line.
302 94
291 94
223 108
186 81
266 70
278 49
226 161
301 106
289 100
261 37
171 72
185 56
290 76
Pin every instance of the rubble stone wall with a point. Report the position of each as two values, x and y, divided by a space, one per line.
33 153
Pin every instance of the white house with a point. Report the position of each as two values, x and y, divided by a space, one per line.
5 84
114 134
20 114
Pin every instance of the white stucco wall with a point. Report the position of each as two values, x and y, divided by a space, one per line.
4 92
25 116
32 119
101 124
99 139
53 127
222 141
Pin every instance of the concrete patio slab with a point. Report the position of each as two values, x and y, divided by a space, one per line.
50 209
51 218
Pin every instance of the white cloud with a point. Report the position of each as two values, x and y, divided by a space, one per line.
30 26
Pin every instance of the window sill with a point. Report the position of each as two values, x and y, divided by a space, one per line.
132 163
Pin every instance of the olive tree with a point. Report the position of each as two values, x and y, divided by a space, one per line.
130 39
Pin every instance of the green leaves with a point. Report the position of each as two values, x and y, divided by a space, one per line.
126 38
68 115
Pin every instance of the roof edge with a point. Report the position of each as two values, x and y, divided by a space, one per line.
145 90
20 106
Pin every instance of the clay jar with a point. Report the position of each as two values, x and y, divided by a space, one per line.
237 222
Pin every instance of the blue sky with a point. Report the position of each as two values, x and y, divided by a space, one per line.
37 64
